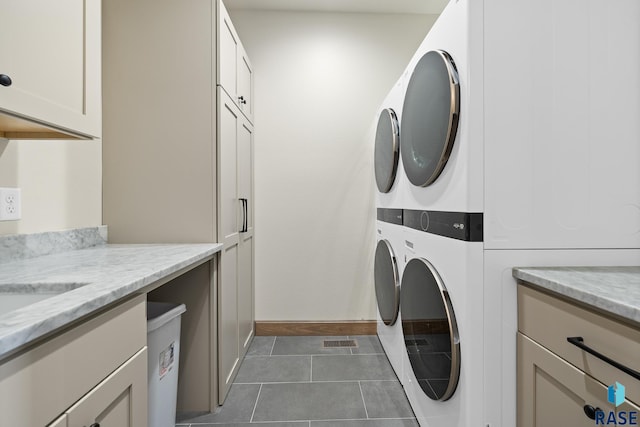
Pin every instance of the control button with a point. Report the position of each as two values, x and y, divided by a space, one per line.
424 221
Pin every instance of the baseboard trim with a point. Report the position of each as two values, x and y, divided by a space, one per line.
356 327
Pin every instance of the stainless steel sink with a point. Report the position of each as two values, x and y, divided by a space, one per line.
17 295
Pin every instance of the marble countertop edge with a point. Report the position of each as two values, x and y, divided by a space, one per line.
105 284
611 290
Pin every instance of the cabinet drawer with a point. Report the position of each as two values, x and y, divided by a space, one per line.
550 321
551 392
118 401
38 385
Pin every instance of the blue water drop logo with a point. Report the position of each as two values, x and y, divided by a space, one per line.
615 394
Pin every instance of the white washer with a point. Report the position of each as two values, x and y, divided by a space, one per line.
551 162
483 299
443 358
388 267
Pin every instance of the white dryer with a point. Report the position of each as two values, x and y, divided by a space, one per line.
388 267
441 157
551 162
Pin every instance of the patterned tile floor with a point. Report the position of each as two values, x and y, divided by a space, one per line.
295 382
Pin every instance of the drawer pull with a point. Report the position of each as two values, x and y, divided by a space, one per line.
5 80
590 411
579 342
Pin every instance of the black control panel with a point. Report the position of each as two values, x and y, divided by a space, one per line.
457 225
393 216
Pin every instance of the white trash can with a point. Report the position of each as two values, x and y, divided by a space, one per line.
163 342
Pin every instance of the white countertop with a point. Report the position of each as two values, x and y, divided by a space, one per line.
613 290
109 273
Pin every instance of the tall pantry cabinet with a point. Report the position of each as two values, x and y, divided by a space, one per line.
235 197
178 156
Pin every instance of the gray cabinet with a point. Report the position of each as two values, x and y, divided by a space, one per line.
177 160
83 373
553 392
116 401
235 73
51 54
559 383
236 289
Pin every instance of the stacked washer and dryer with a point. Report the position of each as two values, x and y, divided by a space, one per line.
518 147
389 253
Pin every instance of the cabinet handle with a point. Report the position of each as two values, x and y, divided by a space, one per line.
5 80
579 342
245 221
242 100
590 411
246 215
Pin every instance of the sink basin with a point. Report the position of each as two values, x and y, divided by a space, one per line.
14 296
10 302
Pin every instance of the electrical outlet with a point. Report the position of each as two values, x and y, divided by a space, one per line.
10 204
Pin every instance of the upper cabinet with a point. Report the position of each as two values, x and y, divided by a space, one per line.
50 69
235 74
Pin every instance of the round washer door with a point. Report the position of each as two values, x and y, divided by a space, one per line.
386 282
430 329
430 117
387 150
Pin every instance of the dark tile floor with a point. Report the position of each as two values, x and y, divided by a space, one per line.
295 382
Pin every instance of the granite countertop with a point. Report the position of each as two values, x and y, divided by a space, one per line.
613 290
91 279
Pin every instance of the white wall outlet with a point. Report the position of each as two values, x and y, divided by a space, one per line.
10 204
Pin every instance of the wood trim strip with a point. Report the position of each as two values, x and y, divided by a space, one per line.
345 328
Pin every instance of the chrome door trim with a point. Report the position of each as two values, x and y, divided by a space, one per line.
454 374
454 115
384 186
382 245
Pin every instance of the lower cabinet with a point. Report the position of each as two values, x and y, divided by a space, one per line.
116 401
60 422
560 384
94 373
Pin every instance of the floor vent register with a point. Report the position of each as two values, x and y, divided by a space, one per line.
339 343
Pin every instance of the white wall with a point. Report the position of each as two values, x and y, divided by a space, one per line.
61 184
319 79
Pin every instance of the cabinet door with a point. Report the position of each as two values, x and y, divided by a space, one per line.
52 53
245 83
60 422
228 45
118 401
235 73
245 251
551 392
229 222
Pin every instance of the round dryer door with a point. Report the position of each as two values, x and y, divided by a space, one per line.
430 330
430 117
386 282
387 150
